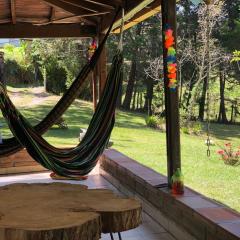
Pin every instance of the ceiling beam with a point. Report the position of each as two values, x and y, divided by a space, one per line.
142 15
52 14
6 20
112 3
71 9
13 11
130 14
88 6
24 30
131 8
68 20
33 20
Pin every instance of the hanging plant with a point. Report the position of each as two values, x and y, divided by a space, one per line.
171 58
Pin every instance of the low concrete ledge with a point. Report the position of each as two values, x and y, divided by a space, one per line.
191 216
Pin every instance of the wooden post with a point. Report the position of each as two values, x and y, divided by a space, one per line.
2 79
94 88
102 67
171 96
93 76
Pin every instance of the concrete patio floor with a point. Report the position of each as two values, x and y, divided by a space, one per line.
149 230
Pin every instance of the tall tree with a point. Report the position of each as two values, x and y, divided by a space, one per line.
133 70
222 116
153 34
206 54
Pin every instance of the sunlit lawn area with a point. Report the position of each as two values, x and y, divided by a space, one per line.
209 176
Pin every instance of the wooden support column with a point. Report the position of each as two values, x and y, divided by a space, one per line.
171 96
2 79
94 88
102 67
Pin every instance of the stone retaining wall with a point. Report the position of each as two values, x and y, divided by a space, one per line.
191 216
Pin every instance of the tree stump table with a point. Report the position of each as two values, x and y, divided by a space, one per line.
59 211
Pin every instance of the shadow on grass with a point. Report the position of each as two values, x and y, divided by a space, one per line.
224 132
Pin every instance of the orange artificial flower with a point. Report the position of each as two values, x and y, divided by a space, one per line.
172 75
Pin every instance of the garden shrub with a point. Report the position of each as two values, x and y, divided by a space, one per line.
155 122
56 77
15 74
152 121
191 127
85 93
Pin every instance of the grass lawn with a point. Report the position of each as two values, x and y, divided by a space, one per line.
210 176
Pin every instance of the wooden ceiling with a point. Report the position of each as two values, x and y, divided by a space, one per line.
68 18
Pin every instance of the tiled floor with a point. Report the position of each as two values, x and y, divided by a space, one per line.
149 230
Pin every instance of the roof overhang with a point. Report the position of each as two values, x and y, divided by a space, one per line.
69 18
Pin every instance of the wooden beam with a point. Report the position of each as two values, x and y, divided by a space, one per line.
52 14
33 20
106 3
130 11
171 96
67 20
87 6
21 30
71 9
134 11
13 11
144 14
7 20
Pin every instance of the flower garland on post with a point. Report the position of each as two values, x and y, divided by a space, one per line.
171 58
92 48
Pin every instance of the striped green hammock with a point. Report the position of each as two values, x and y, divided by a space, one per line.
72 161
12 145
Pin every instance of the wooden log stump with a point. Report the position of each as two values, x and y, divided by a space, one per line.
59 211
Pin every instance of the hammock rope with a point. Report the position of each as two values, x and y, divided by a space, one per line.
12 145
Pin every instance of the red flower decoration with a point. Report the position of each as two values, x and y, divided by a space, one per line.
169 32
172 75
221 152
169 42
228 144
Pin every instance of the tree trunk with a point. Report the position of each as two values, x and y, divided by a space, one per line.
140 102
189 94
181 86
132 75
231 14
119 100
203 100
45 79
138 96
222 117
149 96
131 82
134 98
